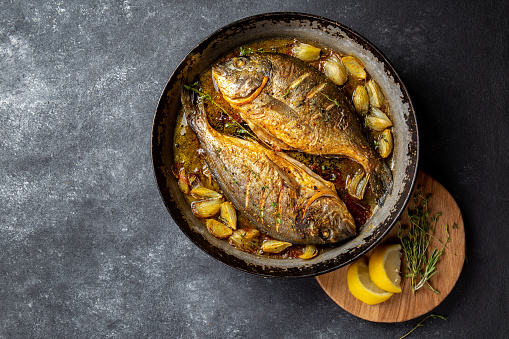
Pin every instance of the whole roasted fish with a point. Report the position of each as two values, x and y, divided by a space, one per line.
278 194
289 104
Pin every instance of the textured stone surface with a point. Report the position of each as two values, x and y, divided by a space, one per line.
87 248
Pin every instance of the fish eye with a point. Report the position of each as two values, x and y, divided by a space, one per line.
326 234
238 62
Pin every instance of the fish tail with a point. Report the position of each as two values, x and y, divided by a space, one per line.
381 181
194 110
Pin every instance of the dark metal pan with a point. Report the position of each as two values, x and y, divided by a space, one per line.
326 33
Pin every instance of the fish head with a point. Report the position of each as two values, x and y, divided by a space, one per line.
240 77
326 220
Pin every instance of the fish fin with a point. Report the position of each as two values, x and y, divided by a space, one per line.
380 181
189 100
287 180
194 109
308 171
267 138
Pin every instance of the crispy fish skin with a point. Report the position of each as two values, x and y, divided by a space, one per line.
289 104
278 194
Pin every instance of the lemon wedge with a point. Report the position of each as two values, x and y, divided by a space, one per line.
384 267
361 286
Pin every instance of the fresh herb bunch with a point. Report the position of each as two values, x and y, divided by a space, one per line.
415 240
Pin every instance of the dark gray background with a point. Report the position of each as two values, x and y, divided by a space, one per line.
87 248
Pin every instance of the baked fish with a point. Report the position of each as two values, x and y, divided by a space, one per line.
278 194
291 105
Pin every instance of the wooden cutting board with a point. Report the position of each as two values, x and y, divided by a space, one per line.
406 305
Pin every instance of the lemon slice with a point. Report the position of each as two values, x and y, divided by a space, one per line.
384 267
361 286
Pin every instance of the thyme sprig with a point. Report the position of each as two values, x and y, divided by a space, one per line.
249 50
421 323
415 243
194 87
330 99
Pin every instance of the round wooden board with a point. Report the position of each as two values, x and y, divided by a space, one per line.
406 305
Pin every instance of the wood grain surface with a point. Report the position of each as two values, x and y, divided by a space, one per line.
407 305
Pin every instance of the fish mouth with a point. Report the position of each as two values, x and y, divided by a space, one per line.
339 229
330 225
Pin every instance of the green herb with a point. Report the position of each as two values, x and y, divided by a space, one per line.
415 242
250 170
331 100
203 96
264 187
218 150
421 323
286 94
333 176
274 204
249 50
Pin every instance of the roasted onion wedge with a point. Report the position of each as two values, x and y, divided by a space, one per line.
275 246
376 97
200 192
229 215
356 184
354 67
245 239
206 208
306 52
377 120
310 251
361 100
385 143
334 69
218 229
